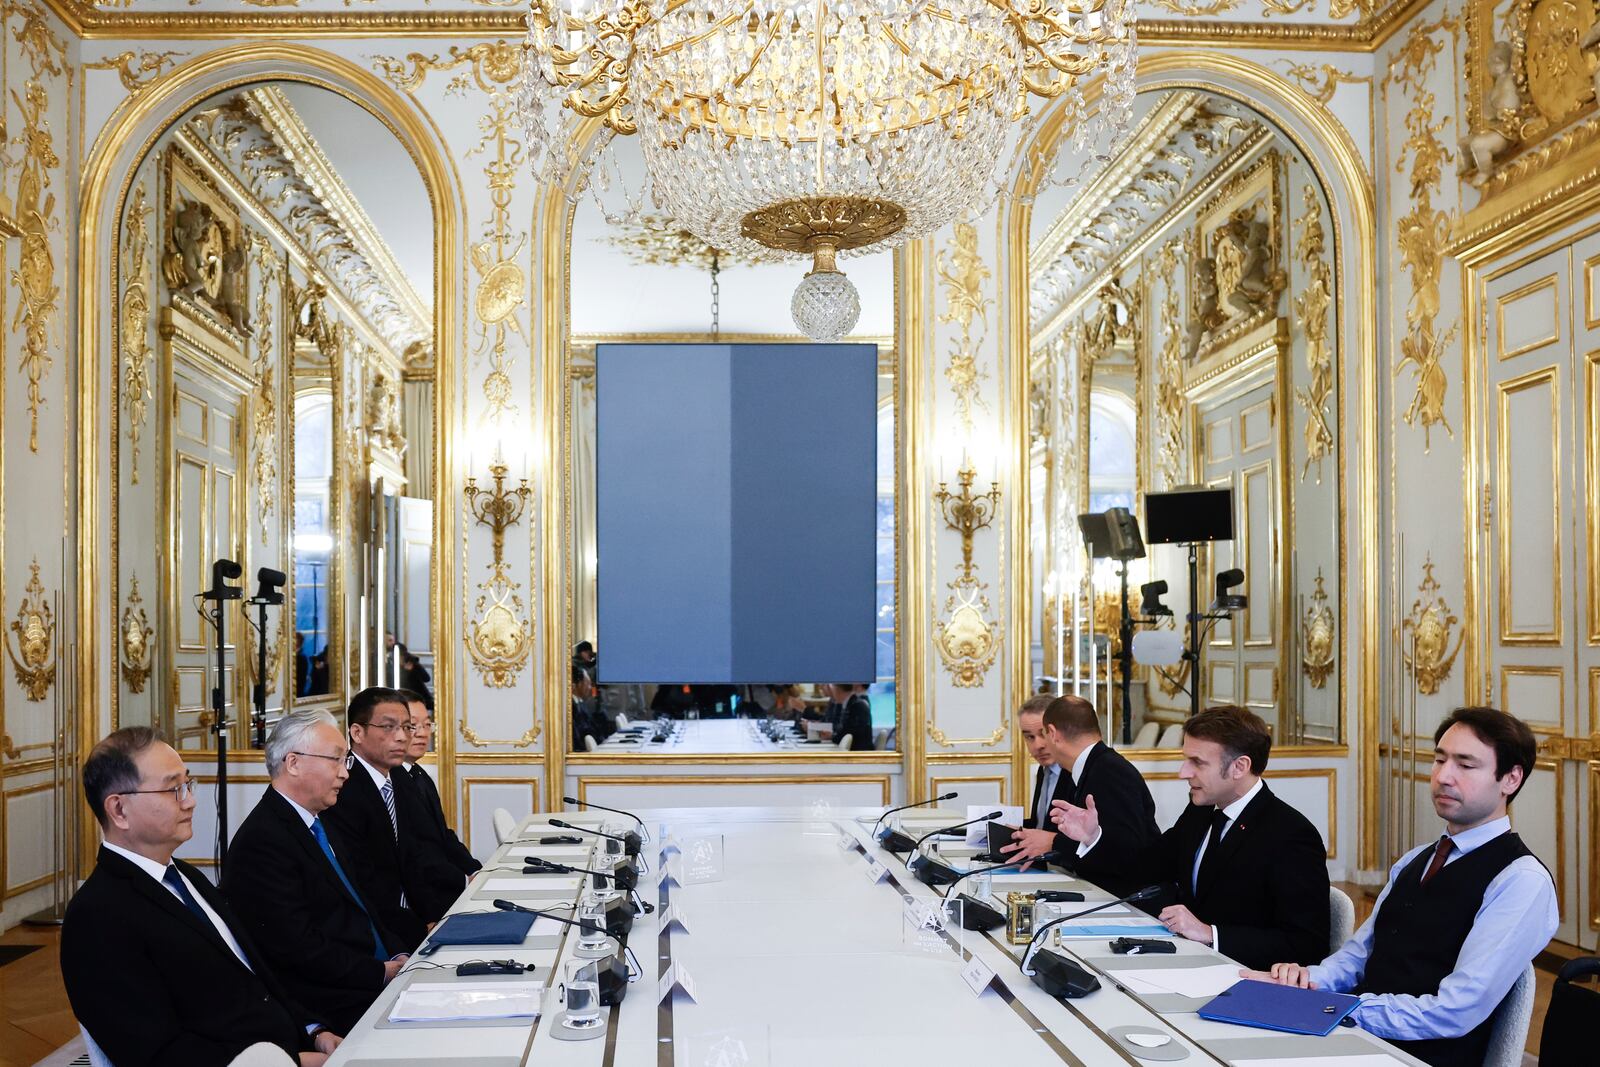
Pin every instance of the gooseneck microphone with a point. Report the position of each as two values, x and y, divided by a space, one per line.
928 871
587 926
613 969
630 840
625 877
1059 976
601 807
977 914
895 841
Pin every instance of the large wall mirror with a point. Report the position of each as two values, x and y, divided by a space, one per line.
1185 332
274 389
631 281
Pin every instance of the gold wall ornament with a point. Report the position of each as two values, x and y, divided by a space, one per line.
963 274
1419 53
1172 457
39 42
1422 351
34 632
1557 71
136 70
34 276
657 240
264 413
384 428
1500 125
1311 307
967 636
1318 637
1200 8
1429 656
1321 81
134 325
134 634
944 740
498 508
967 513
472 737
499 638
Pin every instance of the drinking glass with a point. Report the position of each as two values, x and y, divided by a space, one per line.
581 993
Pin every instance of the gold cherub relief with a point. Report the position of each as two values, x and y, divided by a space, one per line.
1498 130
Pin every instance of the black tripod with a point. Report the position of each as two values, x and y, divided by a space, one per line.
269 593
222 572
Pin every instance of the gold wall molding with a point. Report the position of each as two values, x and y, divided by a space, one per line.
135 325
33 638
264 410
584 783
1322 80
471 736
960 269
135 645
135 70
1311 307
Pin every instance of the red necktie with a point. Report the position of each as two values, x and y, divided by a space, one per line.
1440 853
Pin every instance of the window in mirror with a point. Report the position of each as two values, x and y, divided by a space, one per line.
1111 451
313 541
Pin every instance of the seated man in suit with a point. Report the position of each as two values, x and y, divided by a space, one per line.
1461 917
854 716
431 825
288 876
1037 835
1250 871
587 718
1099 775
157 968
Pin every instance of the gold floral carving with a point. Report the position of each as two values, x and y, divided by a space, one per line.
472 737
136 70
1171 455
945 740
963 274
1318 637
967 633
1199 8
135 321
1322 81
1428 654
498 634
1311 306
34 276
264 416
1419 53
34 631
135 633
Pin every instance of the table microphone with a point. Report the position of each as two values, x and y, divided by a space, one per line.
601 807
630 840
625 877
929 872
612 970
1059 976
892 839
978 915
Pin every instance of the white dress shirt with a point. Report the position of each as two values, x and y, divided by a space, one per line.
1232 811
159 873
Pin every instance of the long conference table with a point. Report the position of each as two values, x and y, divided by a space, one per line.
792 938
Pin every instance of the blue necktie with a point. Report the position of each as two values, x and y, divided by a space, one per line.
174 881
327 850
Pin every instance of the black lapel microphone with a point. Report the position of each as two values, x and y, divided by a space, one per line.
981 916
894 840
1059 976
625 877
601 807
613 970
931 872
630 840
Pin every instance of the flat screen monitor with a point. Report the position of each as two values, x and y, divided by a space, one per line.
1182 516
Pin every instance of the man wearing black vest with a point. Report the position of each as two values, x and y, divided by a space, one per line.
1250 872
1461 917
1096 774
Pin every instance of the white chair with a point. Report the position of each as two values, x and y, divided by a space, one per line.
879 736
505 825
844 742
589 743
1172 736
1341 918
97 1056
1509 1033
262 1054
622 721
1146 737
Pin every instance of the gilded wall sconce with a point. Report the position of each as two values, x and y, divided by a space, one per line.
1428 654
966 512
135 633
1317 637
966 633
497 508
35 631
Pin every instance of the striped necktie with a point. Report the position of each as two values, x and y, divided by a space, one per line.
388 802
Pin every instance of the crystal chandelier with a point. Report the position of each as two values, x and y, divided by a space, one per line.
815 128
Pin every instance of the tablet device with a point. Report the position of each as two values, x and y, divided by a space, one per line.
999 834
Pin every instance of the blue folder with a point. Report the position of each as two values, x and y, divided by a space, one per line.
1280 1007
483 928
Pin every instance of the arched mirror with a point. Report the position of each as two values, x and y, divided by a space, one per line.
1184 332
273 317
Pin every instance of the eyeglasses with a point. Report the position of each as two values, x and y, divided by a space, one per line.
387 727
348 759
182 791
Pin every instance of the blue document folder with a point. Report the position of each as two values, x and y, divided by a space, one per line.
1280 1007
483 928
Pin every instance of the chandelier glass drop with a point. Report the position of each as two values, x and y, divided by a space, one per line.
773 129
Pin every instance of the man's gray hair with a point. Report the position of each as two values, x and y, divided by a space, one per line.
289 735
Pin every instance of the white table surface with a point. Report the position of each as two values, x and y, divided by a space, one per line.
799 960
709 737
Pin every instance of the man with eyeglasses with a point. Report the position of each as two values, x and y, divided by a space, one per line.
435 828
156 966
437 871
290 876
394 872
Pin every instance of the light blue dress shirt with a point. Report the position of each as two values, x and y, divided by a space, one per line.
1517 919
1047 789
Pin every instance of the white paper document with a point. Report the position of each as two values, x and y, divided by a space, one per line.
1365 1059
559 853
524 883
442 1001
1185 981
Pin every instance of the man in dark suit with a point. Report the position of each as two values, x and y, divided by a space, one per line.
156 966
449 844
1250 871
288 876
1096 774
1036 835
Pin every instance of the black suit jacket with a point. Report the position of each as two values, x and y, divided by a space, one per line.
291 901
1063 791
450 845
1127 819
1266 889
855 719
155 984
386 867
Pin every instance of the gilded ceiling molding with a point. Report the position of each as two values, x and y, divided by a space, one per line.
1311 307
34 630
960 268
136 70
135 633
135 324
